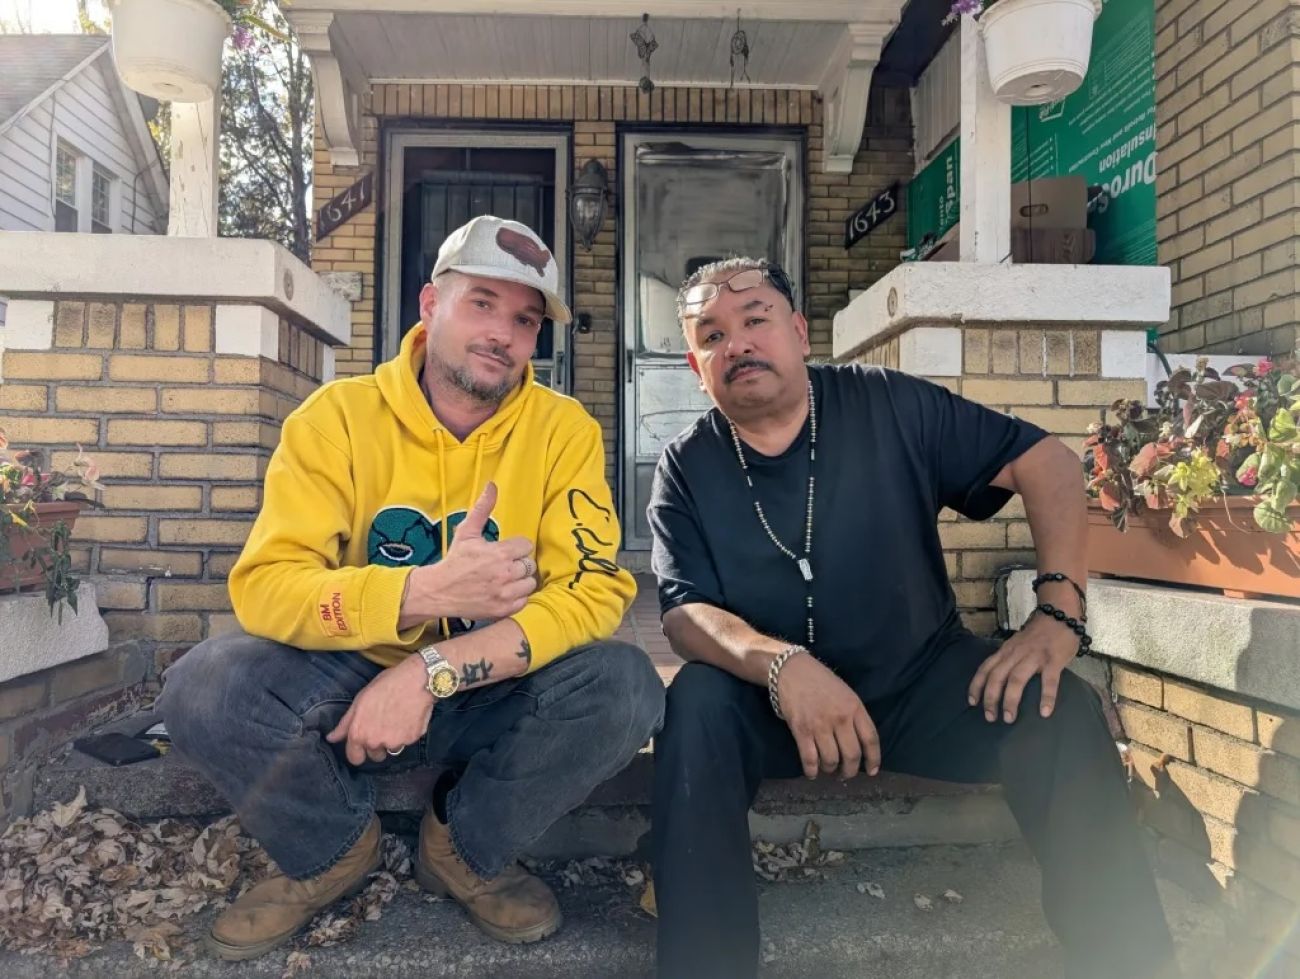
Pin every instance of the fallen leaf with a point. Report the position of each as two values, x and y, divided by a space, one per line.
923 902
952 897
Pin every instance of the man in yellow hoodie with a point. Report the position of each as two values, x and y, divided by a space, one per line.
431 582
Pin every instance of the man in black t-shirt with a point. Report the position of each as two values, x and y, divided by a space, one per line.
802 577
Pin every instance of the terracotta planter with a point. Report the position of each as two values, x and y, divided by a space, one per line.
1225 549
15 573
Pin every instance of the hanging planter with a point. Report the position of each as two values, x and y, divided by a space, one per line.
1037 50
170 49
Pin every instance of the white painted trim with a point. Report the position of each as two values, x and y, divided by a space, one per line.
37 265
247 331
1243 646
337 81
329 367
148 158
846 87
1123 353
985 157
29 325
932 293
806 10
931 351
36 640
195 168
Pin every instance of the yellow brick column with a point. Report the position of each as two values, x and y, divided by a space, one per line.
941 321
181 430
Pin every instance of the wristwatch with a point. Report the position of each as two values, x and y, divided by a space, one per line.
444 681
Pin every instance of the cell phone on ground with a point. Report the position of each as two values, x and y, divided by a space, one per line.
116 748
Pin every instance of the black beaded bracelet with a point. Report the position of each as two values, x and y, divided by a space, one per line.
1073 624
1042 579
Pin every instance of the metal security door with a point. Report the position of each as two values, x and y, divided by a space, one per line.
688 202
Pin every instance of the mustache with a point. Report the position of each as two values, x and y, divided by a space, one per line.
745 364
491 350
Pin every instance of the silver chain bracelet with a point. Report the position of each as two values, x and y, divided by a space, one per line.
773 674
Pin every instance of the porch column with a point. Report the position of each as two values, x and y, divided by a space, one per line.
196 129
985 157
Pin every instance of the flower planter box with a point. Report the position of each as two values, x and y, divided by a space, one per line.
1225 549
15 574
1038 50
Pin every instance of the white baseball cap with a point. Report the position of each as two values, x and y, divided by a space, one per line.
499 249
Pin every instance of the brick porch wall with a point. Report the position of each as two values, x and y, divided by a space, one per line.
1228 117
183 436
1052 378
596 115
1226 802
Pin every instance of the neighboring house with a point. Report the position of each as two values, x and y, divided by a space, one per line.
75 148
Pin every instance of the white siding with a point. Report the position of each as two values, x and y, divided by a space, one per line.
84 114
936 102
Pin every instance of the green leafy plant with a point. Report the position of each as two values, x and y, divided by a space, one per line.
1207 438
25 483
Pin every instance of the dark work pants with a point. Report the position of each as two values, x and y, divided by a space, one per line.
1062 777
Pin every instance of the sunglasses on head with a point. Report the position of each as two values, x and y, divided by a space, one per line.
701 293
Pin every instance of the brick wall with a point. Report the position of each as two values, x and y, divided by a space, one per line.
596 115
1225 801
1228 116
1050 377
183 436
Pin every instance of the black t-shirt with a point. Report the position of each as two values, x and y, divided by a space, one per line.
892 451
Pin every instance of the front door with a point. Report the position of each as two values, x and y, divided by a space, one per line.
689 201
447 178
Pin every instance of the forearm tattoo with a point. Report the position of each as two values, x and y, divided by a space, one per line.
472 673
525 652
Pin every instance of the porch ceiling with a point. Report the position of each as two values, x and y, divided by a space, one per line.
828 45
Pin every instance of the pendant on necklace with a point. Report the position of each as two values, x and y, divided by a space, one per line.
805 569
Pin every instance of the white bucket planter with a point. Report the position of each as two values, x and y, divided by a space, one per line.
169 49
1038 50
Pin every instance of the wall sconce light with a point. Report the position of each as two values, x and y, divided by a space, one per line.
588 202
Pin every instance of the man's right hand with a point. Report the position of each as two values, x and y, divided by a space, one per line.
829 723
478 579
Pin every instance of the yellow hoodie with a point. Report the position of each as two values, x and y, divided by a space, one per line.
367 484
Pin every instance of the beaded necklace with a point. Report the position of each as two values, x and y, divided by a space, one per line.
805 562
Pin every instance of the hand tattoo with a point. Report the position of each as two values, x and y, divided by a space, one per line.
472 673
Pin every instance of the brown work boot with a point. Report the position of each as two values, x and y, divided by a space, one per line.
272 912
513 907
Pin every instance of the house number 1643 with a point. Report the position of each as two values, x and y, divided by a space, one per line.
870 216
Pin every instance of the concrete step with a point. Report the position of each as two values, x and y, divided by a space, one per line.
820 929
889 810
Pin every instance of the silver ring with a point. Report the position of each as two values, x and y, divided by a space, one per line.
394 754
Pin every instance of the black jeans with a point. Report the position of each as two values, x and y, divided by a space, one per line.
1062 778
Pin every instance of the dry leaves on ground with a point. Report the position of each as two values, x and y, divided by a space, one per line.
74 878
804 860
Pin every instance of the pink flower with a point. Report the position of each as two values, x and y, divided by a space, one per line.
1263 367
1250 477
1242 402
29 479
243 38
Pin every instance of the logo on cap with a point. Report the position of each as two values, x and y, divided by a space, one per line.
524 248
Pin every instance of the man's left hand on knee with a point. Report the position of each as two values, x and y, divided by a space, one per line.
1042 648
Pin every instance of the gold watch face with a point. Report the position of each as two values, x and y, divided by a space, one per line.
443 681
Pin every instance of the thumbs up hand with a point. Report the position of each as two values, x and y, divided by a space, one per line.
479 579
